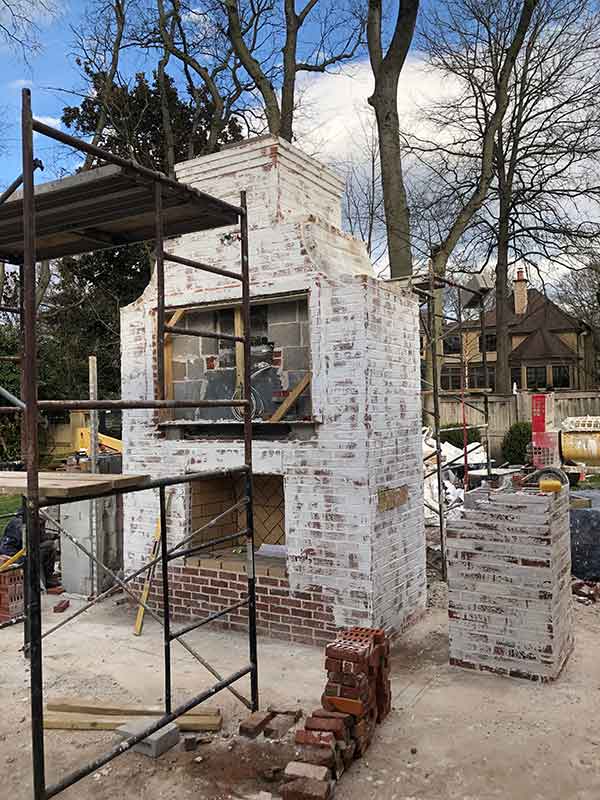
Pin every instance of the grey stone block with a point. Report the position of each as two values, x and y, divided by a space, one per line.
282 312
285 334
154 745
305 333
295 358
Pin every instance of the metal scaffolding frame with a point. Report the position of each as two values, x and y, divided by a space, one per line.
30 406
427 292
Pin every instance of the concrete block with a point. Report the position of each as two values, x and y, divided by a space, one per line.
283 312
299 769
285 334
296 358
154 745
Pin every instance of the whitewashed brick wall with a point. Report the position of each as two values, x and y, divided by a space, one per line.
365 389
509 583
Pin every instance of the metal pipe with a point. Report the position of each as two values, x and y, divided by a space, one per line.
52 405
166 599
160 292
34 609
138 601
127 744
148 483
436 418
128 165
198 548
10 190
141 570
10 309
486 406
205 334
12 399
250 567
187 262
211 618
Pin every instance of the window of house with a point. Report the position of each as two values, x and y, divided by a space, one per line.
450 377
515 377
490 343
536 377
452 344
560 377
477 377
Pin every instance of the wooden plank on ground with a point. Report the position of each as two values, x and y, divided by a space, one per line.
78 705
57 720
291 398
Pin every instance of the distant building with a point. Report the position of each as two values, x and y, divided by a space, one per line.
549 347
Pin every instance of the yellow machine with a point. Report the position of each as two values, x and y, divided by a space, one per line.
82 436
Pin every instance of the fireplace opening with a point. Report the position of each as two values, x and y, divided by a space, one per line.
212 497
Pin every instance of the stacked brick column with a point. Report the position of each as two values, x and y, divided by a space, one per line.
509 583
357 696
11 594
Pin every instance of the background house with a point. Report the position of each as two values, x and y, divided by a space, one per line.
549 347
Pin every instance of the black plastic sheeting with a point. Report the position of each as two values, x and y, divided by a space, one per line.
585 543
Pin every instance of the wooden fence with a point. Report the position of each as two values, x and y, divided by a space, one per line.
506 409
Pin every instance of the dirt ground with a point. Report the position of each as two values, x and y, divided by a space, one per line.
452 734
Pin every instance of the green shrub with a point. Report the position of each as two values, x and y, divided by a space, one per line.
456 437
514 444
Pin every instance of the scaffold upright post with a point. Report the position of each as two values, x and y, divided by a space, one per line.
29 367
248 452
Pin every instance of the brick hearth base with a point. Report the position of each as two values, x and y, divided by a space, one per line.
304 617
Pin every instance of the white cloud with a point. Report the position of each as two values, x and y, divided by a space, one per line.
52 121
19 83
332 105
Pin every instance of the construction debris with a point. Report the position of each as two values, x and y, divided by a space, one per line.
255 724
156 743
585 592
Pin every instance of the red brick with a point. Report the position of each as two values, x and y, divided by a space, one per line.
335 726
315 738
333 665
323 713
354 707
306 789
255 723
301 769
316 755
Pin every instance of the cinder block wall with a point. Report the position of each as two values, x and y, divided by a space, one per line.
509 584
368 558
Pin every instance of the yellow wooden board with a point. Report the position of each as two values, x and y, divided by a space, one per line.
67 484
72 705
58 720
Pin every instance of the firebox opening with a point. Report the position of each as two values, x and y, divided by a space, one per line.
202 368
210 498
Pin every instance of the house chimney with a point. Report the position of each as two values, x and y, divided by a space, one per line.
520 293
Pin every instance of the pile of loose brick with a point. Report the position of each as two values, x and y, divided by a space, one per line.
357 696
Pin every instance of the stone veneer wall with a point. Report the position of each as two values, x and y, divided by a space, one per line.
509 583
353 490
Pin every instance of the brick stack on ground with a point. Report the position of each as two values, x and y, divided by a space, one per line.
356 697
509 583
11 594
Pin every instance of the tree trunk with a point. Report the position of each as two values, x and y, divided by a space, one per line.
397 217
503 344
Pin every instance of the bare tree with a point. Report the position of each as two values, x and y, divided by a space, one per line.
543 200
21 22
387 68
333 35
99 44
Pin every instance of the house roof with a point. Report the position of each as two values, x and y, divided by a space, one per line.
541 313
542 345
